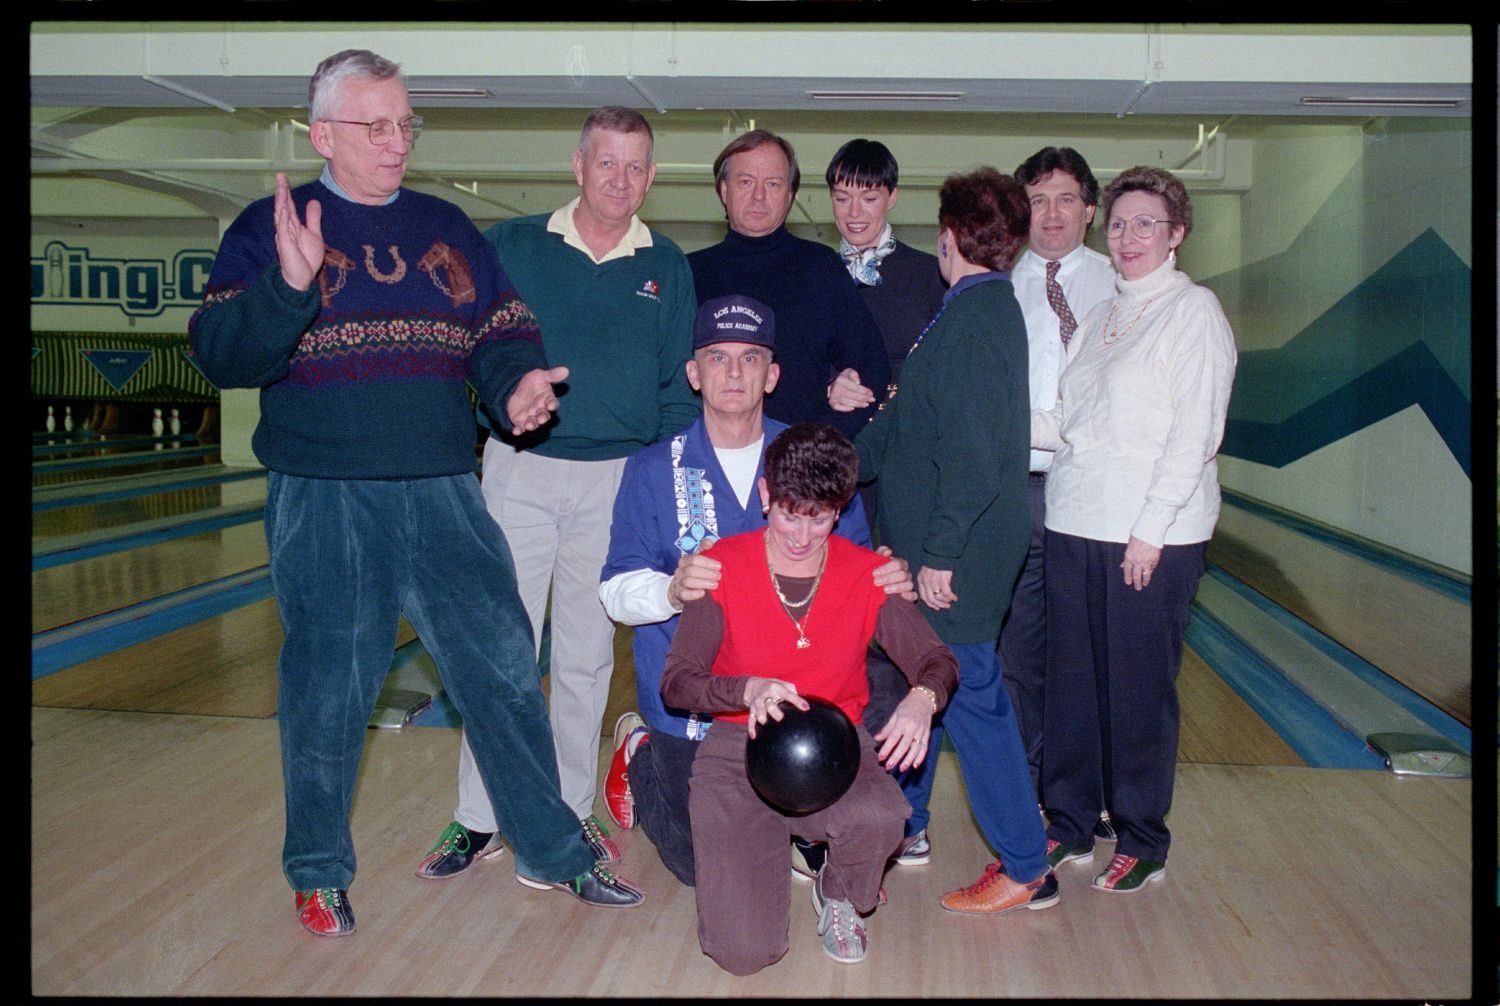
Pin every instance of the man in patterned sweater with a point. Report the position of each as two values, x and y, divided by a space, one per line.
359 308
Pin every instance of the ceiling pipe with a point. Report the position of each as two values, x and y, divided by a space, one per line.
1151 73
649 98
188 92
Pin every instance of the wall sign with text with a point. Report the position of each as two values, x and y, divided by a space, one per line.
69 276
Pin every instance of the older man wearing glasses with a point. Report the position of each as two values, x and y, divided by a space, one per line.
360 308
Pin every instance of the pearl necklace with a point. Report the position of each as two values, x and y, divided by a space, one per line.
1114 335
802 641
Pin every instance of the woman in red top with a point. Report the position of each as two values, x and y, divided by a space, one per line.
793 615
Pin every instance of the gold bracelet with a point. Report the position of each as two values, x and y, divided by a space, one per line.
931 695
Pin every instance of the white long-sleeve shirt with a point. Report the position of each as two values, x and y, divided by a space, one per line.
640 596
1087 278
1139 418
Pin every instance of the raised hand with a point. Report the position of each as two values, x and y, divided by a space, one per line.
299 245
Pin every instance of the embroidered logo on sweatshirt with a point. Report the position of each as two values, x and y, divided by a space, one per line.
650 290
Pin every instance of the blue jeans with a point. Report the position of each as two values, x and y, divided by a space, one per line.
983 727
348 557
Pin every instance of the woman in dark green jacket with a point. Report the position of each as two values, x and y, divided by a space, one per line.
949 450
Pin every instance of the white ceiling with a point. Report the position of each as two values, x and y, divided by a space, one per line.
190 119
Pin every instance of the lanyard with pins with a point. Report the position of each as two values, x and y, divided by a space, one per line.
890 389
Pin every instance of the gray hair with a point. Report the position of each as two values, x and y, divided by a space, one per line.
323 89
617 119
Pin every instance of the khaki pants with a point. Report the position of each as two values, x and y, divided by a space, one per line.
556 516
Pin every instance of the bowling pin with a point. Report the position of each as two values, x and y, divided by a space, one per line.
68 418
157 427
176 425
51 420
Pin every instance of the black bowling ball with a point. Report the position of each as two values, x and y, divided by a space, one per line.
804 761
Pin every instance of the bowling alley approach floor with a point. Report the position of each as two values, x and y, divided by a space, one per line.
155 870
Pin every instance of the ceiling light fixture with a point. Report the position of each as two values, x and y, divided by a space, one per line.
475 93
1383 102
886 95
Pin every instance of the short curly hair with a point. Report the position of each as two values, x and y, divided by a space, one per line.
989 215
1157 182
810 468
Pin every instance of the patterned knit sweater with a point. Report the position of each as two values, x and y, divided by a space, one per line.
362 375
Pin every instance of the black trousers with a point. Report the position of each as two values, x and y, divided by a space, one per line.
1113 654
659 773
1023 639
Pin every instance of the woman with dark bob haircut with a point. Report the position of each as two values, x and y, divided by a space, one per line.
1132 499
792 616
949 453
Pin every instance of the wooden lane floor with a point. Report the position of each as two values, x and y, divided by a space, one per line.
222 666
1419 636
120 510
226 666
65 594
1284 882
1218 727
44 473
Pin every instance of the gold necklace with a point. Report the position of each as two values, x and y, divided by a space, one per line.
1114 335
802 641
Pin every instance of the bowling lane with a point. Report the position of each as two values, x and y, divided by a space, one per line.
222 666
1419 636
64 594
134 509
1218 727
225 665
106 463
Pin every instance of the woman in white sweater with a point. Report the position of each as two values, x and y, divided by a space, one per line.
1132 499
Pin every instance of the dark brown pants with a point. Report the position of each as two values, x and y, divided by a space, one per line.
743 849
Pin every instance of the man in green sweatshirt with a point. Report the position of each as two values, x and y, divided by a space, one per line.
615 301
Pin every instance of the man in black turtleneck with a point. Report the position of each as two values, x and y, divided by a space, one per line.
822 326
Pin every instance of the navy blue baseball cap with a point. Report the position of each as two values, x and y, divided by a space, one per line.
735 318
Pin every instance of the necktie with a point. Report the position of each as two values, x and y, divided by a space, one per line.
1067 324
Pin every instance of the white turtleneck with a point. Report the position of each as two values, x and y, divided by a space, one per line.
1140 414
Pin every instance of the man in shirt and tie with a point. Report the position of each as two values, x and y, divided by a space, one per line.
1057 281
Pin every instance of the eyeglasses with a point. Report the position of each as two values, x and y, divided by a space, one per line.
1142 226
381 130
